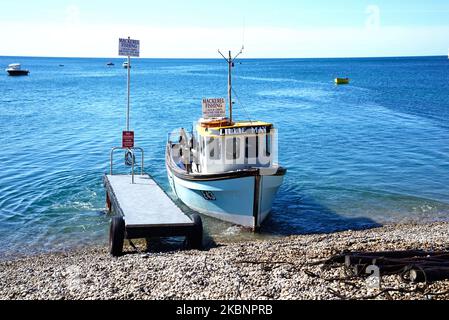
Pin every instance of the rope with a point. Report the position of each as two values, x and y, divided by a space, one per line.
371 297
388 266
374 296
134 247
243 106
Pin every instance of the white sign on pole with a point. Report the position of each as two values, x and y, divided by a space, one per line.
214 108
129 48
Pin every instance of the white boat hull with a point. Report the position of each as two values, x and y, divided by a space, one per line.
245 201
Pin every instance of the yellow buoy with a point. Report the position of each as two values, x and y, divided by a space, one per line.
342 81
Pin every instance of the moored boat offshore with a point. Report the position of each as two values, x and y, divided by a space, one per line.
15 69
225 169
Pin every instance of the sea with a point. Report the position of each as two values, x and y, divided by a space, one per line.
362 155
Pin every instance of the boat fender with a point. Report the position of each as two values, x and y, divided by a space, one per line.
130 158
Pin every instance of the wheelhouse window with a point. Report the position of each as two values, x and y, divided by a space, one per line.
203 146
251 147
268 145
232 148
214 147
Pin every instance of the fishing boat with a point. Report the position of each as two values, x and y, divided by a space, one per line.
110 64
342 81
224 169
15 69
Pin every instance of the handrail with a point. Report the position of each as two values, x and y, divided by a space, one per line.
177 135
133 158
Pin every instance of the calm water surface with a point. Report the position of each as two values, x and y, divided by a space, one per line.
373 152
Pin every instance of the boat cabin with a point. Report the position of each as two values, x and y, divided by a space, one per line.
15 66
219 146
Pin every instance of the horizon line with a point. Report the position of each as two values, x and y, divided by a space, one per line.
218 58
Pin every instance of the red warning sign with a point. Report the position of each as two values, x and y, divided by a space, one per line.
128 139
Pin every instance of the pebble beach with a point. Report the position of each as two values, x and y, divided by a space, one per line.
282 269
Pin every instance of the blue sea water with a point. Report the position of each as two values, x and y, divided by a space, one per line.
372 152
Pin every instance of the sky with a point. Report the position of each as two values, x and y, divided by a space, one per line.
197 28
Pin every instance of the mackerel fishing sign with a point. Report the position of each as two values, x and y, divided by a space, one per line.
214 108
129 48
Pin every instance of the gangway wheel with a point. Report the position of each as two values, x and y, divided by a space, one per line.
116 236
195 238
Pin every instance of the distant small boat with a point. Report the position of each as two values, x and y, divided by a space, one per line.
61 65
125 65
342 81
15 69
110 64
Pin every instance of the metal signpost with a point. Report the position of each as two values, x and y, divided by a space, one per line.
129 48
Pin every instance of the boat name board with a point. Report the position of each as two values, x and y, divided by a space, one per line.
214 108
129 48
244 130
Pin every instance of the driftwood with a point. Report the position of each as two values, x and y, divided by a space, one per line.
395 257
341 258
413 265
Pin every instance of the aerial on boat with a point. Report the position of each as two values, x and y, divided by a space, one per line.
225 169
15 69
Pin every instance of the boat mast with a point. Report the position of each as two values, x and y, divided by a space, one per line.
230 62
230 85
